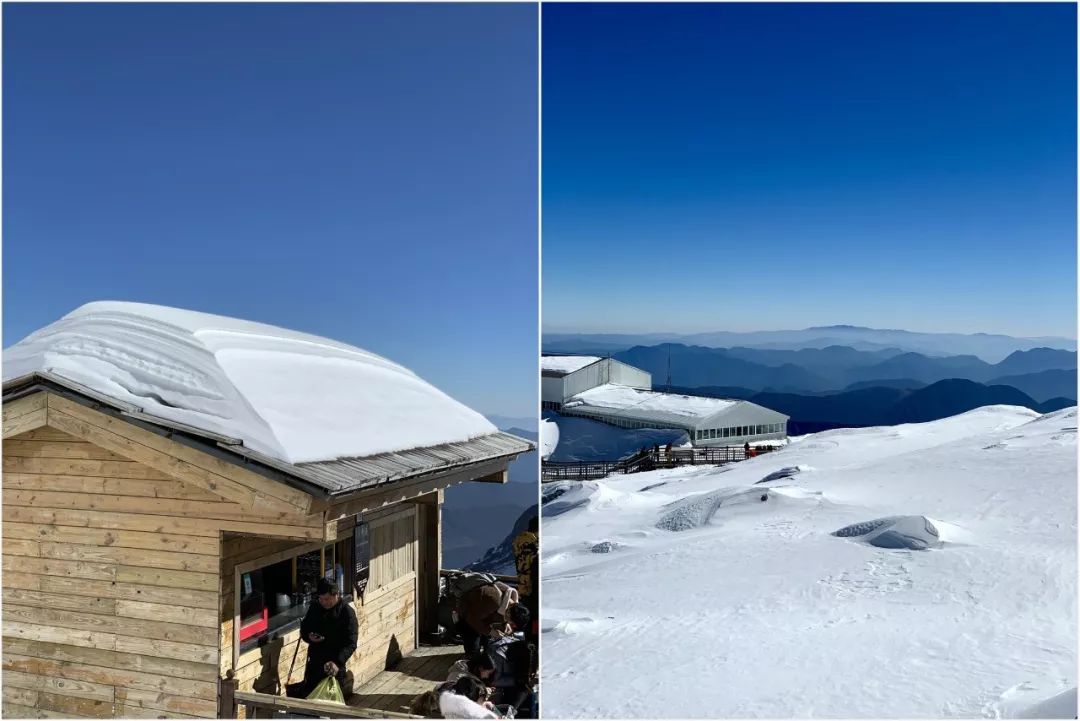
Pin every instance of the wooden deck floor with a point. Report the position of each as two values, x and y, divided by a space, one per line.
416 673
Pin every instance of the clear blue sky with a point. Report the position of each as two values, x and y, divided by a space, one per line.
767 166
364 172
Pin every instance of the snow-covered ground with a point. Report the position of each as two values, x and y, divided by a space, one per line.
705 592
293 396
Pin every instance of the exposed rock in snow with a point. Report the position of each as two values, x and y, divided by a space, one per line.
604 547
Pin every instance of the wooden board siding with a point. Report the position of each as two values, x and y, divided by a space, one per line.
103 622
386 614
120 548
112 562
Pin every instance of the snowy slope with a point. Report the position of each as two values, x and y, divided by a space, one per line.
704 592
292 396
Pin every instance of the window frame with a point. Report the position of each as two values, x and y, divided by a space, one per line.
343 540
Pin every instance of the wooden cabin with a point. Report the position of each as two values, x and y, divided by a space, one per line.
144 559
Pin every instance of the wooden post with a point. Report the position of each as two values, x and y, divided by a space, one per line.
227 695
429 561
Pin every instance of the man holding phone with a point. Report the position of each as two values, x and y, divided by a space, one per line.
329 628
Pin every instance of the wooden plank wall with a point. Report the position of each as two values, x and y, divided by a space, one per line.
110 588
386 614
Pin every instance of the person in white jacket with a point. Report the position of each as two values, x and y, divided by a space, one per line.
463 700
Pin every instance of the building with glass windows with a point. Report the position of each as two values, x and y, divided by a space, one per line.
606 390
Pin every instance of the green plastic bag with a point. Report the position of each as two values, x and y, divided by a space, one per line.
328 690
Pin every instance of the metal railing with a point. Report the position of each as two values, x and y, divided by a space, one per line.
647 459
450 572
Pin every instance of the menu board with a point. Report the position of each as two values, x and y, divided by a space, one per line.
362 556
308 571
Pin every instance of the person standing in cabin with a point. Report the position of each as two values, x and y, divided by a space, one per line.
330 630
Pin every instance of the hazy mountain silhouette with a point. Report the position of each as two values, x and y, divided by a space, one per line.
830 369
905 383
696 365
956 395
1043 385
923 368
1036 361
500 558
989 347
879 406
476 516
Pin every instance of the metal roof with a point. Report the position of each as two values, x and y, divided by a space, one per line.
665 410
557 366
322 478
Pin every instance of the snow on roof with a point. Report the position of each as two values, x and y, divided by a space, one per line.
289 395
627 402
566 364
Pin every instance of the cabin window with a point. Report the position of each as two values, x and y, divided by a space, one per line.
274 598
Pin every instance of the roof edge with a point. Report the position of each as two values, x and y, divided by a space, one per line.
222 447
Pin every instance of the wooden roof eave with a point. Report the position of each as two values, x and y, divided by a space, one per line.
312 479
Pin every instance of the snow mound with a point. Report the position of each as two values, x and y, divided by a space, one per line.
1061 706
697 511
292 396
549 438
594 496
786 472
916 533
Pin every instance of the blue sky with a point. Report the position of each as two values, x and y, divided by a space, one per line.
363 172
768 166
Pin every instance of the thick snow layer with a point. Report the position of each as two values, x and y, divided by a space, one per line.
566 363
289 395
549 438
738 601
619 397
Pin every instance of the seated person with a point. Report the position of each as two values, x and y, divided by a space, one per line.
515 663
466 699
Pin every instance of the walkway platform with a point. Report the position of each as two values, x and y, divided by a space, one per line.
418 672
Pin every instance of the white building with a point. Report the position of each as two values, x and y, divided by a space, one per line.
564 376
606 390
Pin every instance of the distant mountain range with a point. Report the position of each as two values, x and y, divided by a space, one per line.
883 406
990 348
477 516
500 558
1044 373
